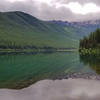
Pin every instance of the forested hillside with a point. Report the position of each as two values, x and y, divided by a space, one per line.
20 30
92 41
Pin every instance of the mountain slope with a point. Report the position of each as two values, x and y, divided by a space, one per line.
18 29
80 29
21 29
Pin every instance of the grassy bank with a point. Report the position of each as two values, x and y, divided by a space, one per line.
35 50
89 51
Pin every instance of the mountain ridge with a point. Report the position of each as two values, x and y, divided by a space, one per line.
19 29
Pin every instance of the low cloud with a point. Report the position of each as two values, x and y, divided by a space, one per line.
47 9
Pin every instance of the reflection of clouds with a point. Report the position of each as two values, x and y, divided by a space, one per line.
71 89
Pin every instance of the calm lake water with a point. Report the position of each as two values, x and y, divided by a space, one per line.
19 71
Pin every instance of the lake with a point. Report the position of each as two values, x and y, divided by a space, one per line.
19 71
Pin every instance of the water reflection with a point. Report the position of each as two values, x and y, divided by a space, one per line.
20 71
93 61
71 89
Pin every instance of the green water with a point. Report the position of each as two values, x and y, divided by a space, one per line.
93 61
19 71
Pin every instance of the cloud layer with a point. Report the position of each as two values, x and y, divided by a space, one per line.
68 10
71 89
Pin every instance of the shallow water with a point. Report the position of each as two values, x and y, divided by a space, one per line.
19 71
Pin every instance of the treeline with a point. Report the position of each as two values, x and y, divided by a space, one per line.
4 44
11 45
91 41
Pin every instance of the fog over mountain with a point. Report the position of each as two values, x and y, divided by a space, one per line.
70 10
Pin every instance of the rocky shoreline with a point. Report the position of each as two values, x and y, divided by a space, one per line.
88 76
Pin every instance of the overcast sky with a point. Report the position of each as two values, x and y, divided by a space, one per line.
67 10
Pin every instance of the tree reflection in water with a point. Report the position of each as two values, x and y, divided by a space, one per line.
92 61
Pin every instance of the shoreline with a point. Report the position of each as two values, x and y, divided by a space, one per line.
88 76
75 76
32 51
